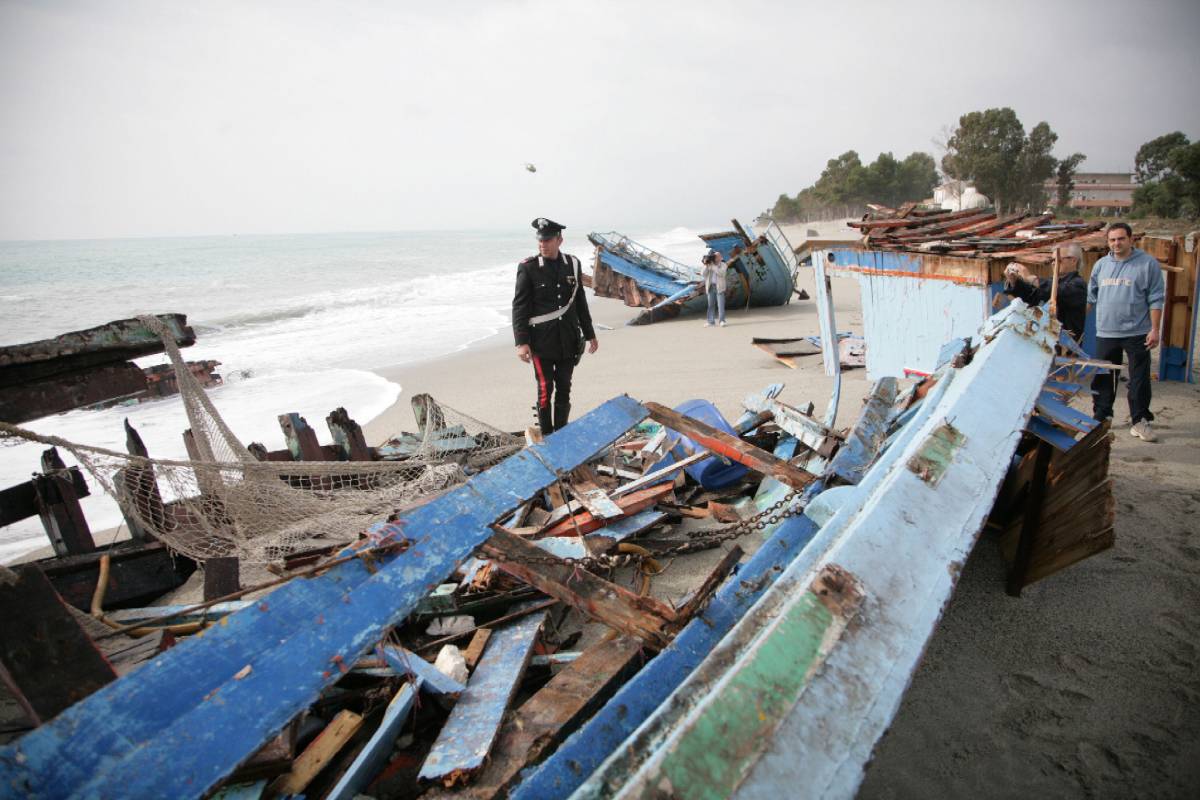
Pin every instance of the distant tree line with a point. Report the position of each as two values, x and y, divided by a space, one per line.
1168 169
991 150
988 149
846 185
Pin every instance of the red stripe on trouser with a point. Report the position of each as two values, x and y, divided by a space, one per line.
543 394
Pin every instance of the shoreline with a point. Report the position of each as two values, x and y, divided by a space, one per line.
668 362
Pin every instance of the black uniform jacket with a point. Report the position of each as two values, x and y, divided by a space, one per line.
546 287
1072 298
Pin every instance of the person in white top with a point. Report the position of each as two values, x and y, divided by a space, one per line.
714 286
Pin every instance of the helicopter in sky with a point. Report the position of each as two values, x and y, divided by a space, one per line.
530 168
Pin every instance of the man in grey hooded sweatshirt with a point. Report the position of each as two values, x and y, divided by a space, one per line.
1126 287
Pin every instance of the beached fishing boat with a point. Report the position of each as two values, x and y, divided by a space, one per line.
762 272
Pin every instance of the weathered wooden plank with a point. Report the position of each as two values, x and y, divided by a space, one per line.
466 738
554 492
615 606
19 501
162 732
140 573
435 681
222 576
348 439
630 504
709 585
301 438
58 506
867 435
712 750
318 754
584 750
23 401
546 718
46 660
723 444
374 755
595 500
475 649
661 474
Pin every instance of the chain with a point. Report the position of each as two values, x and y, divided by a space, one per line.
704 539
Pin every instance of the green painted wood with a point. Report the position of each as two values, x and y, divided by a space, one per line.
720 746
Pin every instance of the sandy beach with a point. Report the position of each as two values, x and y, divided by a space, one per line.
1086 686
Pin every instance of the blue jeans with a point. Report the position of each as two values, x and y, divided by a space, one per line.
715 298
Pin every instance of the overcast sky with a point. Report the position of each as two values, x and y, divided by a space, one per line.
161 118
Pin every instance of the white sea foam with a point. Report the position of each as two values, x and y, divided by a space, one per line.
296 322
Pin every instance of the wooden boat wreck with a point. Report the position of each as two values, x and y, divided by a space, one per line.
777 676
762 272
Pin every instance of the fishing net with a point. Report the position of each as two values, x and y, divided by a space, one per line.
226 502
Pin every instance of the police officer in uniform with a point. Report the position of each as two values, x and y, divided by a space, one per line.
550 321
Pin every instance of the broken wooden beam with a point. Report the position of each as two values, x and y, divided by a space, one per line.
80 368
552 714
140 732
138 487
595 500
348 439
301 438
629 504
705 590
58 506
615 606
140 573
318 754
465 740
46 660
371 760
731 447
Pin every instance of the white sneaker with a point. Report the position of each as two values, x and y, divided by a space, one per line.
722 323
708 324
1143 431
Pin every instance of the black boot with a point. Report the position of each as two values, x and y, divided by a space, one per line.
544 421
561 414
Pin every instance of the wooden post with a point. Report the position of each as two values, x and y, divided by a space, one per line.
140 488
348 439
301 439
46 660
1054 288
1033 519
221 577
58 506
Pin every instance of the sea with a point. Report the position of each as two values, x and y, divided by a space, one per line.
299 323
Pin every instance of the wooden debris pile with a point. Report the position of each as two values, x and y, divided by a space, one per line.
495 665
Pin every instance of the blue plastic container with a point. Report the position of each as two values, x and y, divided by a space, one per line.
711 473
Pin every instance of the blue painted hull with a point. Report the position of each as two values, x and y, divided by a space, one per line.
759 274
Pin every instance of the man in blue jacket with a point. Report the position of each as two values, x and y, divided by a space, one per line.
1126 288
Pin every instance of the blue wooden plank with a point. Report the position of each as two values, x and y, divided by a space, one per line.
179 725
580 754
466 738
868 434
630 526
374 756
406 662
1050 406
1055 436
